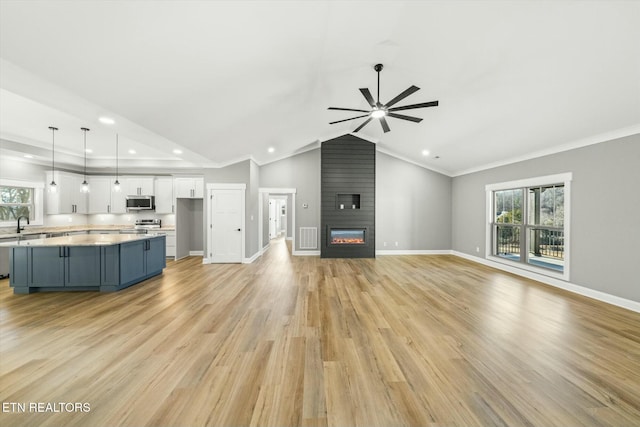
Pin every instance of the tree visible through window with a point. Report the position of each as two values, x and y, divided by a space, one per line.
16 202
536 238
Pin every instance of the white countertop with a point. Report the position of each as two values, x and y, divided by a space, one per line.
83 240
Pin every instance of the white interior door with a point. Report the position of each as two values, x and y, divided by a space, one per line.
226 226
272 219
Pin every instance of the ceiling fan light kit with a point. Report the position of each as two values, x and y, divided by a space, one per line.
381 111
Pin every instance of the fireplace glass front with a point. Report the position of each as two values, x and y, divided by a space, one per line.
343 236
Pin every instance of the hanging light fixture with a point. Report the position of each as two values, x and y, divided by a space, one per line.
53 187
116 184
85 185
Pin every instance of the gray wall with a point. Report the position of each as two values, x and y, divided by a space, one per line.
251 222
11 168
303 173
413 206
425 195
605 207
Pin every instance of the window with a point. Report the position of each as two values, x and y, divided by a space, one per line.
529 223
20 198
16 202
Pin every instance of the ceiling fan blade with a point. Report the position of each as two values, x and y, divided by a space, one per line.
347 109
368 96
362 125
402 96
403 117
345 120
385 125
409 107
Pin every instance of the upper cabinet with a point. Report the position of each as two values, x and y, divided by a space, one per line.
68 198
100 194
189 188
137 185
164 195
103 198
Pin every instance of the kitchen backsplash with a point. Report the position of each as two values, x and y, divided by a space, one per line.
75 220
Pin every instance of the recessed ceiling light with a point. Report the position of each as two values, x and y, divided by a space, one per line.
271 149
176 151
425 152
28 156
107 120
132 151
88 150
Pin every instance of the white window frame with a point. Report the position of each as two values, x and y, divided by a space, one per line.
38 199
562 178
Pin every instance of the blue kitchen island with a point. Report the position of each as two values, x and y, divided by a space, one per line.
90 262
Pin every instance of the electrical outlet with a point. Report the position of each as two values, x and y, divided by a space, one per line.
384 244
396 243
477 248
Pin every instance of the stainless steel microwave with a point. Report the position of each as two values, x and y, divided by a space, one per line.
140 203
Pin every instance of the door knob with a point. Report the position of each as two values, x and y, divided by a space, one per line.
238 229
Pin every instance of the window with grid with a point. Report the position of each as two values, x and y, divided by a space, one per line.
21 198
16 202
528 223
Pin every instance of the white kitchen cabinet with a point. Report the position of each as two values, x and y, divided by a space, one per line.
189 187
68 198
103 198
118 200
165 202
100 194
170 244
137 185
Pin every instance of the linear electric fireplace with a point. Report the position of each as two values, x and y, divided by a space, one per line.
347 236
348 199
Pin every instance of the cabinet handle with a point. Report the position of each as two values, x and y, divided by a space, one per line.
108 208
60 255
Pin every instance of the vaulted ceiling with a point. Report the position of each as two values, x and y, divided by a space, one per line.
224 81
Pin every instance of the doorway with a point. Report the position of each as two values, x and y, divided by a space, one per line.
284 204
277 216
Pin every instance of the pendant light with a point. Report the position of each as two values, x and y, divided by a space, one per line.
116 184
85 185
53 187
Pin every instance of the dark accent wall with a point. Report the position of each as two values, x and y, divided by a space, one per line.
348 167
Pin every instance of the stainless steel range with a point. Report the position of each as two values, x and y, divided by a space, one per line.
143 226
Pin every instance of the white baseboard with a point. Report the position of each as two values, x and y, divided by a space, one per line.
306 253
413 252
196 253
253 258
568 286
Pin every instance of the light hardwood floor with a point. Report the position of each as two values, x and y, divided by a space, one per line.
304 341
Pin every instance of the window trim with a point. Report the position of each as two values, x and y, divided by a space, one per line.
38 199
562 178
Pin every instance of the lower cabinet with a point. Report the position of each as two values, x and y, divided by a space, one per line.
77 266
105 268
141 259
171 243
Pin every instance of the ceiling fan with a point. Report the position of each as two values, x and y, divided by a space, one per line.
380 111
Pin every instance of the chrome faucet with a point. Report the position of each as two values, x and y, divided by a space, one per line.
19 218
